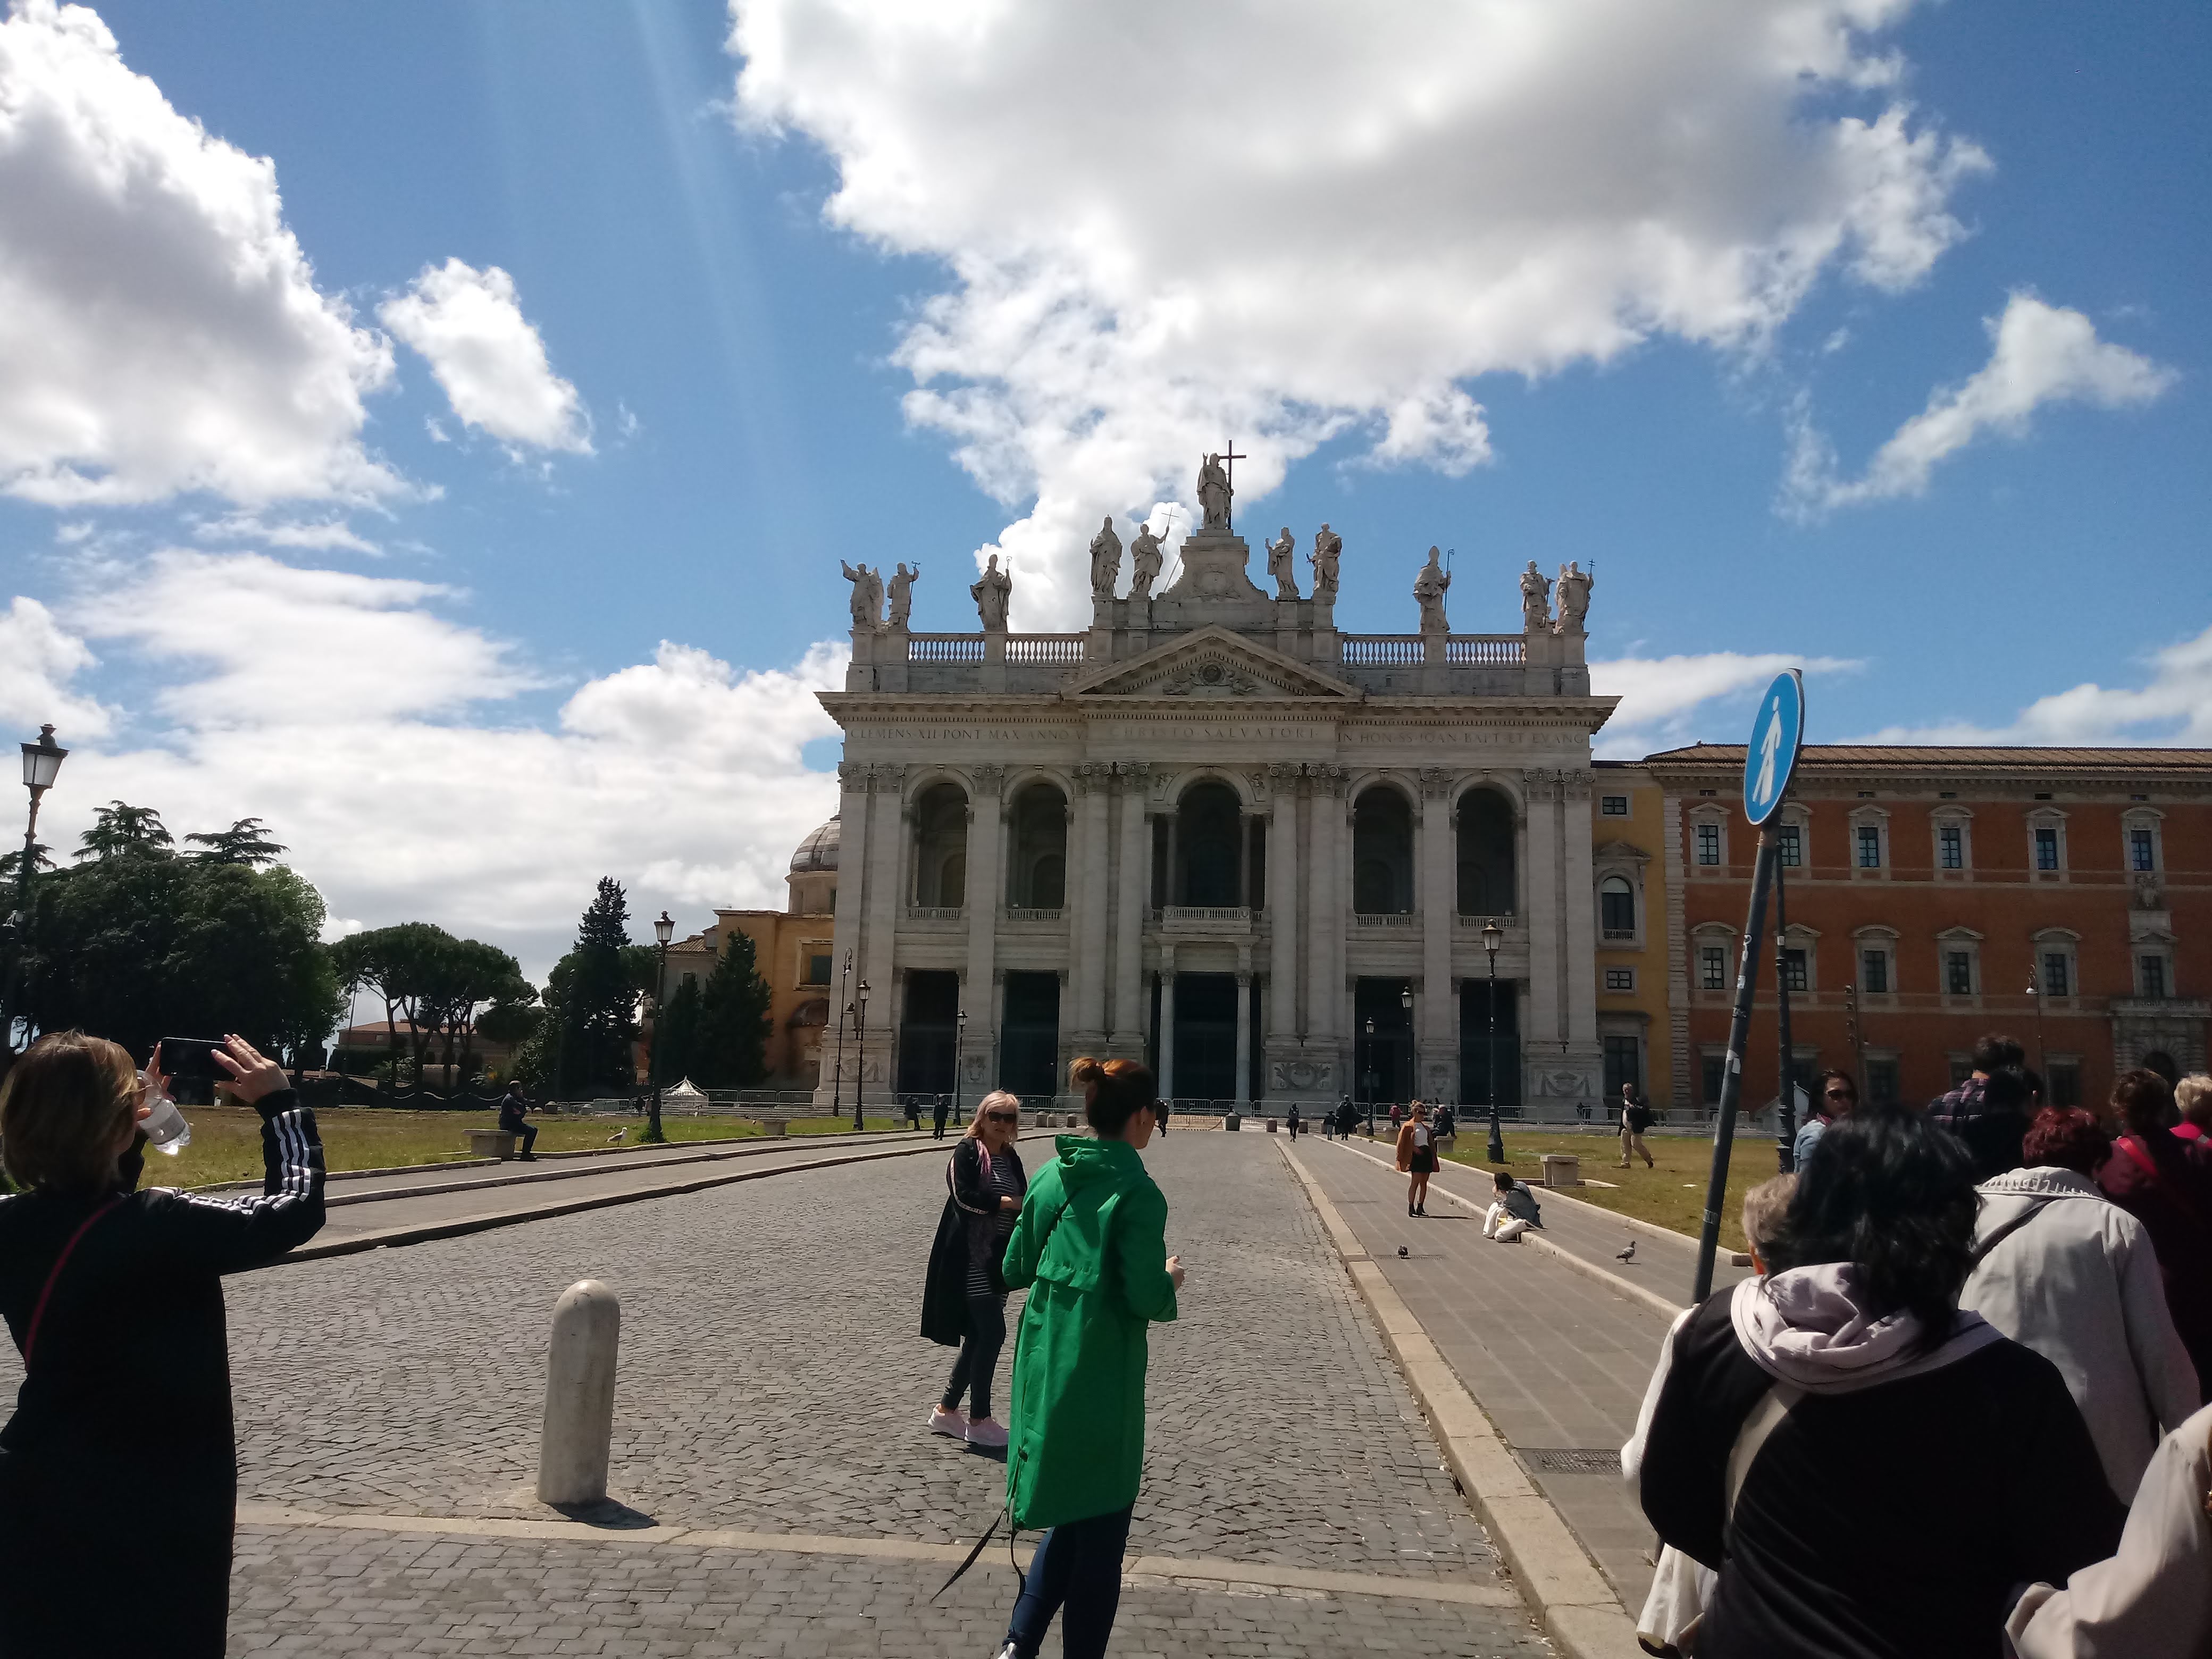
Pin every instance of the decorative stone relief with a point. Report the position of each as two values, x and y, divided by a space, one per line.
887 779
1436 783
1303 1074
853 777
989 778
1562 1085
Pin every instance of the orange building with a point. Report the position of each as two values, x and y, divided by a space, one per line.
2062 896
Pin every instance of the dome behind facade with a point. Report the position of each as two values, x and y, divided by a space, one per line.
818 851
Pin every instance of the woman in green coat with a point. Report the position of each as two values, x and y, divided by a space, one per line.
1091 1249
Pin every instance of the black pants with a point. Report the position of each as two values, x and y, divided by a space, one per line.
1078 1567
942 1112
525 1135
979 1356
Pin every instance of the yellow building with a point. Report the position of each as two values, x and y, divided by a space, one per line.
791 949
1628 860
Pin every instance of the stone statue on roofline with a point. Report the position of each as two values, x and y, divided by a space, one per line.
867 597
902 582
1327 545
1282 565
1213 495
1429 593
1573 589
991 592
1144 560
1105 561
1535 599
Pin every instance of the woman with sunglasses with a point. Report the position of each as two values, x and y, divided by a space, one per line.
1839 1098
964 1301
1091 1249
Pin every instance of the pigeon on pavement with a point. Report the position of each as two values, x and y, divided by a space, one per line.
1628 1254
1402 1250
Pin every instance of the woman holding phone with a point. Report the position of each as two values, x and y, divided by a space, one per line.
121 1449
1091 1249
963 1302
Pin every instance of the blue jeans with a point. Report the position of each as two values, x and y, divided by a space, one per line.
1077 1566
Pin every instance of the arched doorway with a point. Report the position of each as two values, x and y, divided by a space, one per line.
940 846
1209 846
1037 873
1382 853
1488 883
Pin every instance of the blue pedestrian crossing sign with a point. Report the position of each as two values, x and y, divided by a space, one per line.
1776 737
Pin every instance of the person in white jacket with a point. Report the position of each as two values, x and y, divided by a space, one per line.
2152 1598
2061 1269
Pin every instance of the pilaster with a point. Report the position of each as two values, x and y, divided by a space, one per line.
1133 877
1243 1037
888 834
1436 1036
986 886
1545 1031
1165 1081
1326 1018
851 926
1087 964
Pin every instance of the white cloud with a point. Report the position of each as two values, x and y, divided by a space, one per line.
310 535
38 659
2175 706
1166 225
159 326
489 359
379 739
2040 354
1660 696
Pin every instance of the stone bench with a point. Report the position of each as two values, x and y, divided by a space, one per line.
492 1142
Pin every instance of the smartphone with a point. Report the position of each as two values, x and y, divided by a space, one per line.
190 1063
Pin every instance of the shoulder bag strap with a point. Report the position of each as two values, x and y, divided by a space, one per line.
1981 1250
1765 1417
46 1290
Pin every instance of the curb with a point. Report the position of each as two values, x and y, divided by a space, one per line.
458 1226
1562 1586
1605 1276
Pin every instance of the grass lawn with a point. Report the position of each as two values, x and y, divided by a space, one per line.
227 1140
1672 1193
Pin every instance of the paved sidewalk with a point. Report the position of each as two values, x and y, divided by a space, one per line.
1556 1359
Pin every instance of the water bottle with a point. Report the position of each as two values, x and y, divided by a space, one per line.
167 1128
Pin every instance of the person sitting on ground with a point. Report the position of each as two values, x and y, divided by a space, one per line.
1668 1626
1090 1247
2061 1268
1869 1471
1513 1212
963 1299
2153 1596
513 1106
2193 1098
1993 1054
2166 1183
1417 1158
1635 1119
121 1450
1838 1095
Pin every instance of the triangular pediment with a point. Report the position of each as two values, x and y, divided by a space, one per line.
1208 663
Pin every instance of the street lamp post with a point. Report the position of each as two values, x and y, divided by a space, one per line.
2035 995
1492 937
1367 1078
1413 1067
959 1050
837 1075
664 929
42 762
859 1054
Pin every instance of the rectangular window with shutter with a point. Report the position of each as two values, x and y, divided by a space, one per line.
1870 842
2057 976
1882 1082
1790 845
1873 971
1793 969
1952 843
1712 968
2143 852
1959 973
1708 843
2046 847
2152 969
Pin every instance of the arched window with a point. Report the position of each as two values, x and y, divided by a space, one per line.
940 835
1382 853
1616 900
1036 875
1209 846
1487 882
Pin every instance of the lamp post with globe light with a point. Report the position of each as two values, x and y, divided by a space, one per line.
959 1052
664 929
42 762
2035 995
1492 937
859 1054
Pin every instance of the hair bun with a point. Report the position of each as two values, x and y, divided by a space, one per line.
1086 1071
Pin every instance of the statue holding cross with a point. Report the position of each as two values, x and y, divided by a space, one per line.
1215 492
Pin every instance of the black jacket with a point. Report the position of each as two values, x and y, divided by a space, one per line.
122 1437
969 1197
1898 1522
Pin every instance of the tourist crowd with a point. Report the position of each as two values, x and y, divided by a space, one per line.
1960 1407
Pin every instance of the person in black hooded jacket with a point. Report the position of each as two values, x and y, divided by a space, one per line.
121 1450
963 1300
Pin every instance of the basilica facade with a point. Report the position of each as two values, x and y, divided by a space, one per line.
1279 862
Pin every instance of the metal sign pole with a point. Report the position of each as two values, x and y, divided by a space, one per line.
1785 1117
1747 975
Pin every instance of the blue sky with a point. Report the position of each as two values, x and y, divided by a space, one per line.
573 633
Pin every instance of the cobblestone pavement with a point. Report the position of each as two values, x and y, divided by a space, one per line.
339 1594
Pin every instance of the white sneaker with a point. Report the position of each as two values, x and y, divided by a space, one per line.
954 1424
984 1431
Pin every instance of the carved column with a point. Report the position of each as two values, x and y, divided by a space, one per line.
1578 881
1243 1039
1545 1029
1325 996
1135 876
986 887
890 830
1166 1078
851 929
1283 909
1087 964
1438 1038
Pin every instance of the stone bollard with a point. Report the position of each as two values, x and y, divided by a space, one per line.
579 1395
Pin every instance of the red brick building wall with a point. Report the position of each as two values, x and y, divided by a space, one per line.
1935 955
